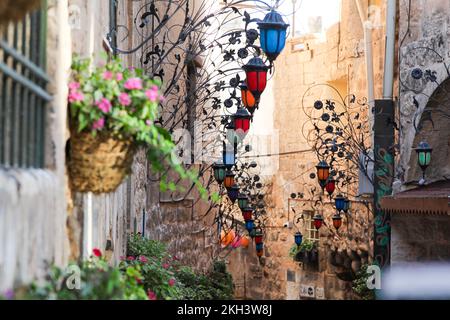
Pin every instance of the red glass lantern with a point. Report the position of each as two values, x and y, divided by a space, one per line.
337 221
229 179
318 221
241 121
247 214
331 186
256 72
248 100
258 238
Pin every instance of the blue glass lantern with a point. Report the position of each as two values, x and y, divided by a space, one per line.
259 246
249 225
298 238
233 193
339 202
229 155
273 34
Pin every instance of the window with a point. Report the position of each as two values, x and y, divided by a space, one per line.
23 95
311 232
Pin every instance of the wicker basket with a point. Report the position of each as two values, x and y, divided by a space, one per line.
14 10
99 164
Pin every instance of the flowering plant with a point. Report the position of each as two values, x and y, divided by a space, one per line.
123 102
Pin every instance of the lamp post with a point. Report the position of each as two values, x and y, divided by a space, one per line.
273 34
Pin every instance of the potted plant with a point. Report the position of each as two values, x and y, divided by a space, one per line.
304 252
112 113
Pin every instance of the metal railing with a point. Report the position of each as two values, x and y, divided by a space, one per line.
23 95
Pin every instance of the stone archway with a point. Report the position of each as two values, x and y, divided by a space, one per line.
434 128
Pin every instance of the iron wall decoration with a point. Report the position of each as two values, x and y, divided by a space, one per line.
199 53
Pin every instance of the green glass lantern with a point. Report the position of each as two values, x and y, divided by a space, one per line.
424 155
219 172
242 201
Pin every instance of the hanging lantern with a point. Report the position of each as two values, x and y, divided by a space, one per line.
245 241
424 156
318 221
247 213
219 172
323 172
227 237
248 100
242 201
337 221
229 179
339 202
236 243
252 233
258 237
256 72
229 154
249 225
233 193
260 253
298 238
273 34
259 246
331 186
241 120
346 205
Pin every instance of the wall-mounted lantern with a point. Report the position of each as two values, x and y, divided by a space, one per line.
337 221
249 225
339 202
247 214
256 72
273 34
241 120
424 156
229 154
298 238
233 193
242 201
219 172
248 100
318 221
331 186
323 172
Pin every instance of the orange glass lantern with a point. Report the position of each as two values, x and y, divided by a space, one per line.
245 242
248 100
229 179
260 253
227 237
323 172
337 221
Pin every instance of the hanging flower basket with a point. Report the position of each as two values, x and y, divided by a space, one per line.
14 10
99 164
112 112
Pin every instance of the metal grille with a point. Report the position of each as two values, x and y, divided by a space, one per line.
23 95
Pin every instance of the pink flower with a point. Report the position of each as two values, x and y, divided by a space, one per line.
119 76
73 86
151 295
75 97
133 84
166 266
149 122
104 105
99 124
107 75
124 99
97 252
130 258
122 258
143 259
152 94
172 282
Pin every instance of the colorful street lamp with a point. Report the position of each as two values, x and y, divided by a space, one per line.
242 201
260 253
273 34
229 179
337 221
248 100
339 202
233 193
323 172
247 214
259 246
219 172
424 156
249 225
256 72
330 186
318 221
298 238
241 120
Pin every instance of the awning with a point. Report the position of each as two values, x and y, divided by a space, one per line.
430 199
